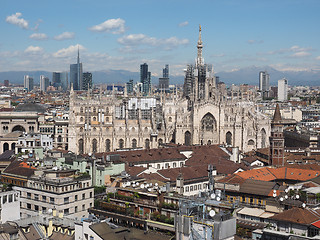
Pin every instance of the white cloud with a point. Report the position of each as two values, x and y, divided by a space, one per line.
115 26
33 49
183 24
16 20
251 41
64 36
69 51
301 54
38 36
140 39
318 58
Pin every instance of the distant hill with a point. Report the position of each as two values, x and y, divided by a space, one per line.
249 75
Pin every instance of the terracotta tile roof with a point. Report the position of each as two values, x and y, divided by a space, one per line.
144 156
271 174
134 171
19 168
154 176
277 114
188 173
303 216
258 187
232 179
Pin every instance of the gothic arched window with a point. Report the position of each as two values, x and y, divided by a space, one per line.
94 145
208 123
134 143
108 144
229 138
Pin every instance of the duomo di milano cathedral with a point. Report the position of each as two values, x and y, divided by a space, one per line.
202 115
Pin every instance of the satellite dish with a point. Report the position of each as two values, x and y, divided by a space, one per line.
49 210
274 191
286 196
150 184
303 205
142 185
213 196
149 189
146 186
156 184
137 184
287 190
281 199
209 208
212 213
274 195
218 199
128 184
297 196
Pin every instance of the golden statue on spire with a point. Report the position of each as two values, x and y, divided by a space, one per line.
199 27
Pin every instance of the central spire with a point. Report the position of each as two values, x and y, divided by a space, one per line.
78 59
199 46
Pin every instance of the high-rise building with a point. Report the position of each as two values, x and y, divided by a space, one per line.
87 81
44 83
164 81
28 83
283 89
145 78
60 80
165 71
76 74
130 86
6 83
264 84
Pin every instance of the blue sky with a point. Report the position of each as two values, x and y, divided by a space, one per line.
45 35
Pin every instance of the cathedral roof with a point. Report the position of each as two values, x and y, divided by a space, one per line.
277 114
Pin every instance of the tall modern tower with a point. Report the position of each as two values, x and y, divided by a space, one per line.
76 75
283 89
87 81
264 84
164 81
44 83
28 83
145 78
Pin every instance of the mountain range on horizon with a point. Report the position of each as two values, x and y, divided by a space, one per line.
248 75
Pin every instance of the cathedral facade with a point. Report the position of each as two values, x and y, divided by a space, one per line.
203 114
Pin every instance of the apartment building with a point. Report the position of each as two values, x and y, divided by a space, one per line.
57 189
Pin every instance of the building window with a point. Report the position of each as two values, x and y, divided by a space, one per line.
76 209
66 211
108 144
83 207
158 166
66 200
121 144
36 197
83 195
28 206
134 143
90 194
29 195
51 200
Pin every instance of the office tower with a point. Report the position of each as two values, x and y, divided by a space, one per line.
6 83
264 79
130 86
164 81
28 83
76 75
165 71
44 83
145 78
87 81
60 79
283 89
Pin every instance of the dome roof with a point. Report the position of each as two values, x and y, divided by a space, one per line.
30 107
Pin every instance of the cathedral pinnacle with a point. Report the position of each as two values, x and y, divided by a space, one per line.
199 46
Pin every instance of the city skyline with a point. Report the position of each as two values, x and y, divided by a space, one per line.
125 34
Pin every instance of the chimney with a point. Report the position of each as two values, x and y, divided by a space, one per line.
235 155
